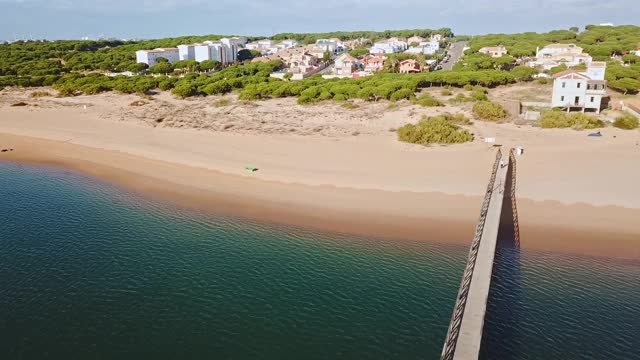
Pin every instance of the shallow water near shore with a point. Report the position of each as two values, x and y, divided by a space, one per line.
89 270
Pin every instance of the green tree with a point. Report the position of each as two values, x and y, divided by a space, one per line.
631 59
626 85
245 54
574 29
327 57
209 65
138 67
161 68
523 72
162 60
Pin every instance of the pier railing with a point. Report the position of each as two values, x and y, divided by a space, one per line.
516 226
461 301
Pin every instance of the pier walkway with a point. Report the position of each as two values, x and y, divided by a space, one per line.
498 222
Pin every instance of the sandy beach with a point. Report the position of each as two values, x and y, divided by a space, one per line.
337 169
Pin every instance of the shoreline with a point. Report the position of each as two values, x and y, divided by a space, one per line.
426 216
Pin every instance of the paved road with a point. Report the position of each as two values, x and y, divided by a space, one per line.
455 53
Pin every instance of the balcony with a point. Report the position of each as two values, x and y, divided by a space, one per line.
597 92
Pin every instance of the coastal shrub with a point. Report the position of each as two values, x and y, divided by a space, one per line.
167 84
402 94
339 98
468 87
460 98
426 100
457 119
577 121
446 92
184 90
479 95
433 130
543 81
487 110
37 94
218 87
626 122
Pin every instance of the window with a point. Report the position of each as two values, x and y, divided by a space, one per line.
561 98
592 99
588 86
579 85
564 84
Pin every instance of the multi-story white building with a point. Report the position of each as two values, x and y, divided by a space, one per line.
222 51
187 52
580 89
557 54
390 46
150 57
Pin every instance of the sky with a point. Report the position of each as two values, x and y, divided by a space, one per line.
73 19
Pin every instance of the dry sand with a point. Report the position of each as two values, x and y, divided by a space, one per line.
337 169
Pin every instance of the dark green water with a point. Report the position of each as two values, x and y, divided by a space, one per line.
88 270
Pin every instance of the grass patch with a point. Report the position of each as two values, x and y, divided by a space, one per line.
577 121
38 94
426 100
487 110
434 130
350 105
626 122
446 92
222 102
393 106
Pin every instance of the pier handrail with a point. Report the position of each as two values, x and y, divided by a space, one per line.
461 301
516 226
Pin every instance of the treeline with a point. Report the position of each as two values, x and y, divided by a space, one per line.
253 81
309 38
599 41
38 58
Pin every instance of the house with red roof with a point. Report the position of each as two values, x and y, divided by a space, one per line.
581 90
410 66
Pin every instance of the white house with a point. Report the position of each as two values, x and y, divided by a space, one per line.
436 37
557 54
327 44
425 47
391 46
345 64
580 89
150 57
494 51
638 49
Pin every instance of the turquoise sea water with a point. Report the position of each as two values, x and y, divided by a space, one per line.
88 270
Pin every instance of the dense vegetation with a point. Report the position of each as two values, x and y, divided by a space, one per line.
75 67
38 58
626 122
487 110
436 130
577 121
599 41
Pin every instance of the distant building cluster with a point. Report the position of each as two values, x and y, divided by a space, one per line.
557 54
224 50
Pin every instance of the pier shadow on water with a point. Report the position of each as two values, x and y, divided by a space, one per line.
500 335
